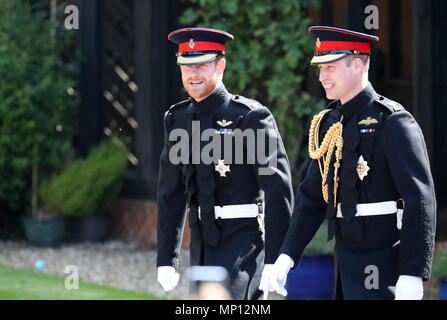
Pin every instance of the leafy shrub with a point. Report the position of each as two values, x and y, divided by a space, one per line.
440 261
88 183
37 115
319 243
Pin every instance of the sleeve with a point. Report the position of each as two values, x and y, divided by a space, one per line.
272 171
308 214
171 202
410 169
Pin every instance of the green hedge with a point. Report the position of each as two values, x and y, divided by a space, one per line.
268 59
37 115
440 261
88 183
319 244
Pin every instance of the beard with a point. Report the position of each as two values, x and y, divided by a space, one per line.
199 88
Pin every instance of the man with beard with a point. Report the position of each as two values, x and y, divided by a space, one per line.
238 212
370 178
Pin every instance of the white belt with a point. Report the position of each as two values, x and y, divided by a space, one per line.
236 211
372 209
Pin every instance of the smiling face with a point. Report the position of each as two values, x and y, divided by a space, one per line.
201 80
342 80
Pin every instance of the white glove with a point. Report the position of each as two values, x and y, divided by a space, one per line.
266 284
167 277
278 276
409 288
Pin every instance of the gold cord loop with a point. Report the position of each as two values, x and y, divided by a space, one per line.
332 140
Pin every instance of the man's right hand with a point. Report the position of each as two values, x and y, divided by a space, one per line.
167 277
279 273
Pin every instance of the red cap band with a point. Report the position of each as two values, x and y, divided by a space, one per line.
200 46
363 47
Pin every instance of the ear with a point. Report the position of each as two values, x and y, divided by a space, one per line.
358 66
221 65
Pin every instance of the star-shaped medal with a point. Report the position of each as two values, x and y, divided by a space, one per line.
222 168
362 168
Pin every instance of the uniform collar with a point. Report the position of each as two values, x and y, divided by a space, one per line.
358 102
219 97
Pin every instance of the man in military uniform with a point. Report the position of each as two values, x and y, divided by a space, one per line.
369 177
239 212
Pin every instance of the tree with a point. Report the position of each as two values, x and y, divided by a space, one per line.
268 61
37 105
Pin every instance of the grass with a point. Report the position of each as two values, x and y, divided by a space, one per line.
17 284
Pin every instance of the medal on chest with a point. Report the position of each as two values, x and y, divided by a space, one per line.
362 168
223 130
222 168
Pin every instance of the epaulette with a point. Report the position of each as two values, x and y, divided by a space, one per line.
246 102
179 104
391 105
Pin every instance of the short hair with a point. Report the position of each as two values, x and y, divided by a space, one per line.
365 59
219 57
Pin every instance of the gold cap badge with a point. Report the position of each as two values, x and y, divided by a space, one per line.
192 44
318 43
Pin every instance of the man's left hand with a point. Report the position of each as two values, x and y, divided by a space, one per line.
409 288
266 284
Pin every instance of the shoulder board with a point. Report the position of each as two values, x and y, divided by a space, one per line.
179 104
250 103
389 104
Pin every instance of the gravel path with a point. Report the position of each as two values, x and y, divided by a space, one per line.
124 265
128 266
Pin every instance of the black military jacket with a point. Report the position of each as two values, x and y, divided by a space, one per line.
195 185
391 142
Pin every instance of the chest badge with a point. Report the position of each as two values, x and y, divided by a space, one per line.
368 121
224 131
224 123
222 168
362 168
367 130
